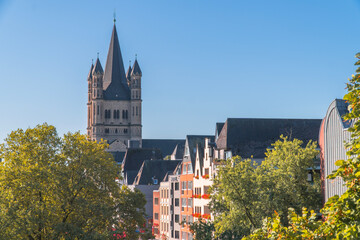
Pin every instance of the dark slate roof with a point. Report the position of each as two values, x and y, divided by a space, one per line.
178 152
128 73
342 107
218 129
251 136
134 158
154 169
115 82
136 69
166 146
90 72
118 156
97 68
193 142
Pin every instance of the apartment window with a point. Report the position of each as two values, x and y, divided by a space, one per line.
190 185
184 169
206 171
177 234
176 202
156 216
206 210
206 189
190 170
177 218
189 202
183 204
176 186
198 210
156 201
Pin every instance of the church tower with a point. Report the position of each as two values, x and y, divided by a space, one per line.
114 101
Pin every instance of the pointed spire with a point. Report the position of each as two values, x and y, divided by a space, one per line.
128 73
136 68
91 69
115 82
97 68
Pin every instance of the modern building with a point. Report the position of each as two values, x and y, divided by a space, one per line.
114 101
333 134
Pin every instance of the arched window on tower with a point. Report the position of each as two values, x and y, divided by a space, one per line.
98 110
136 111
114 114
123 114
118 114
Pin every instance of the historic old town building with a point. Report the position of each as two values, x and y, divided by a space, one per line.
114 101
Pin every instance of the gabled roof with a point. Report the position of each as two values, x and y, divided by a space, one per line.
252 136
154 169
97 68
134 158
90 72
219 126
178 152
193 141
200 152
115 82
136 69
166 146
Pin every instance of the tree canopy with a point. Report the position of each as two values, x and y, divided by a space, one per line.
244 193
66 187
341 215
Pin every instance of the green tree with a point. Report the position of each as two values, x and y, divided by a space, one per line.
341 213
62 188
243 193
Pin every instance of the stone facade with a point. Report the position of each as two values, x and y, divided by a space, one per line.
114 101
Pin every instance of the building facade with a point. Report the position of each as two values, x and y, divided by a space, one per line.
114 101
333 134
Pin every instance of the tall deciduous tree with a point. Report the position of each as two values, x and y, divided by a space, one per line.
341 213
62 188
243 194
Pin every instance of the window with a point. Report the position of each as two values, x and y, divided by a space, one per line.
136 111
116 131
183 187
156 216
198 210
177 234
98 110
189 202
190 185
176 202
176 186
184 169
125 130
206 189
156 201
206 171
190 170
183 203
133 111
106 130
206 210
123 114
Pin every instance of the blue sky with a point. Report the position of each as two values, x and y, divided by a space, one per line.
202 61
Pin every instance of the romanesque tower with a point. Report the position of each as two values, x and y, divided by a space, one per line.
114 101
